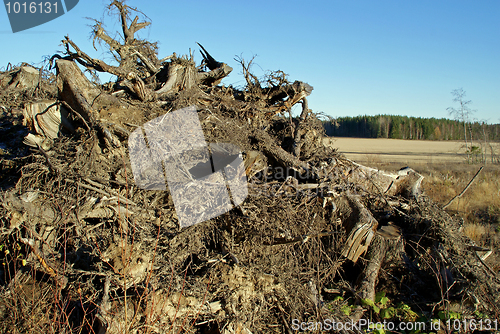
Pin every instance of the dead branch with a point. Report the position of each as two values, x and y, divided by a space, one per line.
99 33
152 68
89 62
126 53
465 189
52 169
208 60
215 76
67 106
102 192
128 31
49 267
253 84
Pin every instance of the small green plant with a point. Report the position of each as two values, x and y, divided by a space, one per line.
345 307
480 315
379 303
385 310
383 307
445 315
406 313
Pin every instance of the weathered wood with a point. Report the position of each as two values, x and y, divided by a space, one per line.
127 52
361 233
75 89
405 182
45 120
138 87
138 61
280 155
300 129
369 276
181 75
214 77
89 62
23 77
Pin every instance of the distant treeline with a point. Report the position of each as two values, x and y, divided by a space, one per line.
404 127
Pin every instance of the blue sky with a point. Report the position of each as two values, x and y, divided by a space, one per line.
362 57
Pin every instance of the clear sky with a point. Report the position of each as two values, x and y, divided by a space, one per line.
362 57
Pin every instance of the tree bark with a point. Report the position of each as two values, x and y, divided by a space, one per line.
84 98
300 129
368 278
75 89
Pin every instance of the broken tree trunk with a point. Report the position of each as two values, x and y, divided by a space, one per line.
215 76
300 129
182 74
361 227
79 93
24 77
74 88
217 72
369 277
84 98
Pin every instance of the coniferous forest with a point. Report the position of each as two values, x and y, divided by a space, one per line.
404 127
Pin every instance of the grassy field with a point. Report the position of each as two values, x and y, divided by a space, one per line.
364 150
446 174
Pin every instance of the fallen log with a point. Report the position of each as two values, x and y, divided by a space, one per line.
406 182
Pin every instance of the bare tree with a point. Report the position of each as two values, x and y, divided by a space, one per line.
462 114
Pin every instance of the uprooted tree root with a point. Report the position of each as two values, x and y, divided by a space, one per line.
318 237
111 257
